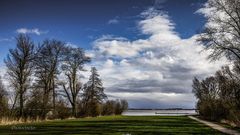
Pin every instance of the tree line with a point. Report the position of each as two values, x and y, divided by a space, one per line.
46 83
219 95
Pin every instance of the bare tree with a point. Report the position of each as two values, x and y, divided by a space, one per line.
19 68
46 70
74 59
222 32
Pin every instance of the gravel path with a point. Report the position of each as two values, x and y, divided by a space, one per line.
216 126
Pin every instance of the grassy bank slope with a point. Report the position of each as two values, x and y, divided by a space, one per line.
119 125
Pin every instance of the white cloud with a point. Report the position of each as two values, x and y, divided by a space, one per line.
4 77
31 31
113 21
158 69
72 45
6 39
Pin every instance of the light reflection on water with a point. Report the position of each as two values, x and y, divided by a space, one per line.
159 112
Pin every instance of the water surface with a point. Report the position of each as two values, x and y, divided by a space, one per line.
160 112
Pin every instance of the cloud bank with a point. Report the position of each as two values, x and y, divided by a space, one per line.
155 72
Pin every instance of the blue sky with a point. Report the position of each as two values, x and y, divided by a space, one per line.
145 50
82 22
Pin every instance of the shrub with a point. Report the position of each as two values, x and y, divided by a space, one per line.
62 111
114 107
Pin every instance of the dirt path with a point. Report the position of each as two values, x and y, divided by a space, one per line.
216 126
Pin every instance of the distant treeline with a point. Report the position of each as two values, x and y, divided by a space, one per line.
45 83
219 95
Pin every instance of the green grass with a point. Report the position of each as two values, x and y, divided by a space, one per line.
228 126
117 125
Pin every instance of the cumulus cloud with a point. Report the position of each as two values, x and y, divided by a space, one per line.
156 71
31 31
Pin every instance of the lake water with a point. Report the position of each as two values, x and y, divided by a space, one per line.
159 112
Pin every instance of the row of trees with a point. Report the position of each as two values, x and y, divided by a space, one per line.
219 95
114 107
43 77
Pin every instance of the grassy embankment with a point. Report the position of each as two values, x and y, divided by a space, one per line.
117 125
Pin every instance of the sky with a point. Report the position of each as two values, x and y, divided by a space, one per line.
145 50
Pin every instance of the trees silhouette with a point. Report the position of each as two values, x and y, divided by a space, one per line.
34 73
222 34
219 95
19 68
73 61
46 65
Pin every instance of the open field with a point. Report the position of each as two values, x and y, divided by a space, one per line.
117 125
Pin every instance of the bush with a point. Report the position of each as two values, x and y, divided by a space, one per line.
3 101
213 110
114 107
108 108
62 111
93 109
34 105
3 107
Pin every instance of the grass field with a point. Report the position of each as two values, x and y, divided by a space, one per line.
117 125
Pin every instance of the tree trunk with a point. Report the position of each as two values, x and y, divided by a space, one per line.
21 104
45 104
74 108
54 95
